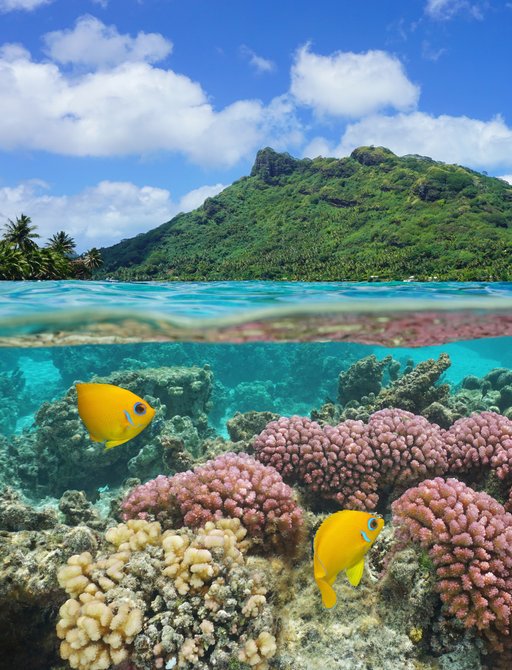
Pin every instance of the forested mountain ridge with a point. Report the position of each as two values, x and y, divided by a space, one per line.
370 214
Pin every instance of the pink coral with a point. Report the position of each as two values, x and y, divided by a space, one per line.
231 485
352 462
147 499
406 446
468 536
481 440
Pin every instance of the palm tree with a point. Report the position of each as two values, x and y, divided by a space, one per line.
62 243
20 233
13 264
92 259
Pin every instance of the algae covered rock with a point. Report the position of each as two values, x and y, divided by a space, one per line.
370 385
16 513
244 426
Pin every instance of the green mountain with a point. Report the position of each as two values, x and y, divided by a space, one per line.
372 213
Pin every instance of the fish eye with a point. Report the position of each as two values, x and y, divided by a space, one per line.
139 408
373 523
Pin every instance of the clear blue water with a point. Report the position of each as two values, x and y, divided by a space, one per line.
214 299
286 378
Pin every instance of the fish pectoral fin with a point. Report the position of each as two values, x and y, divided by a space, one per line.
327 592
110 444
355 573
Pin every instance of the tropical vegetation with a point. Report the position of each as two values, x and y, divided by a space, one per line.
372 215
22 258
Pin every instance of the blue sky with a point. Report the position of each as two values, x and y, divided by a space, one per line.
117 114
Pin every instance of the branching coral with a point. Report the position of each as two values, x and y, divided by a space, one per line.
180 598
469 539
231 485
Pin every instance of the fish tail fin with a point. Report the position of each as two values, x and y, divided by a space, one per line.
327 592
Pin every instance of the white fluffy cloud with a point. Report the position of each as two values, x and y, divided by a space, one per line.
100 215
92 43
27 5
132 108
197 196
351 85
453 139
507 178
446 9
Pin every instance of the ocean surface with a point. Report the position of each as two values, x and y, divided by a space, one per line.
219 362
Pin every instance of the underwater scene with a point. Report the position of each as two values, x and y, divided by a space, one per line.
298 489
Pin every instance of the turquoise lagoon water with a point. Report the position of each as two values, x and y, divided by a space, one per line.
283 377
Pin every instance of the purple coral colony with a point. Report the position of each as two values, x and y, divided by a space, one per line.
204 560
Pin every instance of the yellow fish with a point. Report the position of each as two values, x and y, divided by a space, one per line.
111 414
341 543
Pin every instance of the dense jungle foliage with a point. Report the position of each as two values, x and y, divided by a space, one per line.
22 258
372 214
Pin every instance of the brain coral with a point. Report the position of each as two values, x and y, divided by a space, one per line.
468 536
229 486
183 599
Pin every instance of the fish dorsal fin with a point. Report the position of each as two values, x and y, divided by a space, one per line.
355 573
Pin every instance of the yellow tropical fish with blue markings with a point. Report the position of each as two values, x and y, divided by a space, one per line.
112 414
341 543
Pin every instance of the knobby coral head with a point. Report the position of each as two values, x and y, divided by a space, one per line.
231 485
355 463
468 535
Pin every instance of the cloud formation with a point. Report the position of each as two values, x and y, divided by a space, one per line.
100 215
91 43
26 5
129 108
347 84
260 64
453 139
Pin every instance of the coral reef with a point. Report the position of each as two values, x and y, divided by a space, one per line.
201 574
77 509
244 426
16 513
231 485
468 536
185 599
365 631
12 384
355 463
479 441
59 455
361 390
491 392
29 592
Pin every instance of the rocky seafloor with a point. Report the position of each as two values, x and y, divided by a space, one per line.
189 550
